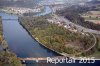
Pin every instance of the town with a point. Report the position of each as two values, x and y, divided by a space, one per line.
21 10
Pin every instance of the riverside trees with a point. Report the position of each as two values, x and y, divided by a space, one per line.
7 58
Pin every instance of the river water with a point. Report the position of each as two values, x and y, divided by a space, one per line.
19 41
47 10
22 44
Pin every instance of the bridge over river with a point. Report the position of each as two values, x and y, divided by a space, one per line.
40 59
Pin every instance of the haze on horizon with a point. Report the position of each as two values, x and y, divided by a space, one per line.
32 3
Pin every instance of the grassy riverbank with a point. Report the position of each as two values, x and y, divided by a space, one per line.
7 58
57 37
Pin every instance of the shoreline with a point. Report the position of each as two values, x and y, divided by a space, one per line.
37 40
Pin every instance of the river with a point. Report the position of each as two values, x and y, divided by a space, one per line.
22 44
47 10
19 41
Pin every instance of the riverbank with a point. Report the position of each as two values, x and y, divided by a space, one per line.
6 56
39 41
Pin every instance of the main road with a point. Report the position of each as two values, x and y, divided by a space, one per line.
79 28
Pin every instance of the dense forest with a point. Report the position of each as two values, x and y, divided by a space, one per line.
56 37
7 58
72 13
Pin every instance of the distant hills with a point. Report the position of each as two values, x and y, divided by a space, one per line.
32 3
95 1
19 3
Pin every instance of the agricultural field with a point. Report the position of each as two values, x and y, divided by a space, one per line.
92 16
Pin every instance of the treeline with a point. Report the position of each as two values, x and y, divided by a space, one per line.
55 37
72 14
7 58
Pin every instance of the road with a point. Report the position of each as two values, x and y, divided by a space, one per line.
79 28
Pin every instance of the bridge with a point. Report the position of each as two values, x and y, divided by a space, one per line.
38 59
32 59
